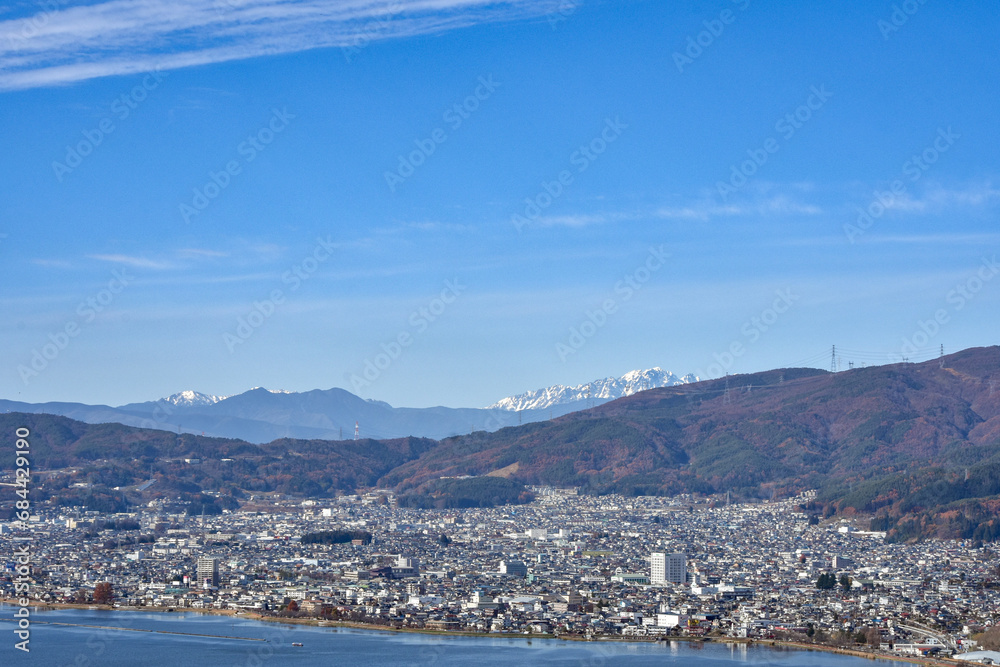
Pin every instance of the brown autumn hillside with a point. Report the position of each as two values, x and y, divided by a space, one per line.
901 438
915 445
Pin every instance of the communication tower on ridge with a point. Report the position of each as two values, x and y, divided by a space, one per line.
357 431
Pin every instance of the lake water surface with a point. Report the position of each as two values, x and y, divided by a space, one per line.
114 644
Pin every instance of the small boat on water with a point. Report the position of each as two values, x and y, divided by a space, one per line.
296 643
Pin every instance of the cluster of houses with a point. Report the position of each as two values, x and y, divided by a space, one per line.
645 568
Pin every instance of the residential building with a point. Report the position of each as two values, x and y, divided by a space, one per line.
664 568
208 572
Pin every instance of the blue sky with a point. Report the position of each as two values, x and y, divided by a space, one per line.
445 202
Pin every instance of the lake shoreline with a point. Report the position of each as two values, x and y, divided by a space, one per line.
316 622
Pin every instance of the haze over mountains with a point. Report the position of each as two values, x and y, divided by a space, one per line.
260 415
917 445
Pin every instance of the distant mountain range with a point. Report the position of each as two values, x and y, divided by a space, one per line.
190 398
596 392
260 415
917 446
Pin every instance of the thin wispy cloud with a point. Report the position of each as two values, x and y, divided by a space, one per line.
753 203
134 262
976 195
199 253
181 259
904 203
936 198
791 200
437 227
782 205
572 220
121 37
699 210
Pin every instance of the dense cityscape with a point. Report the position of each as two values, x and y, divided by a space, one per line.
499 332
565 565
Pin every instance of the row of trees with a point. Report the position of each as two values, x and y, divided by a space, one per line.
828 581
871 636
337 537
103 594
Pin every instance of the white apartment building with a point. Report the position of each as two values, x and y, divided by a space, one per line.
665 568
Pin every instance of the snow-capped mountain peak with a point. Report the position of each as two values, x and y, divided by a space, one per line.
190 398
598 391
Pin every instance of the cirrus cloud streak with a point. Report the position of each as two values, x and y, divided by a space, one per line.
119 37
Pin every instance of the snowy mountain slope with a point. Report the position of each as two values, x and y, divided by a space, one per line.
190 398
262 415
596 392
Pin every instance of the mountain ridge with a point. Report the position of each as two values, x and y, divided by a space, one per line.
261 415
916 446
598 391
